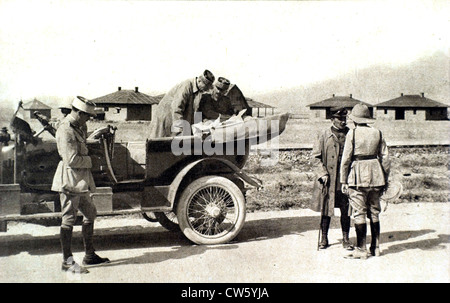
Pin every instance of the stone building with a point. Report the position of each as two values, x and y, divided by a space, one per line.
411 108
125 105
36 105
322 109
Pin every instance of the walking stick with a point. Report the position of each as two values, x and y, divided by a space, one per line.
324 193
320 230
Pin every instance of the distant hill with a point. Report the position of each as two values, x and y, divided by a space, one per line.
372 85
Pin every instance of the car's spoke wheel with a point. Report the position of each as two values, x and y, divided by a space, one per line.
211 210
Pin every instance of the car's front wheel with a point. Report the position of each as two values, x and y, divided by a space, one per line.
211 210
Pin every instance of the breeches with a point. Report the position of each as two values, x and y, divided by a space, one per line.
70 204
365 202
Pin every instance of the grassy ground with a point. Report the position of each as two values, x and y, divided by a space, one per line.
423 172
303 132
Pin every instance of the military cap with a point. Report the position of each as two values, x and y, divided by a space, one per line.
338 112
207 77
84 105
222 83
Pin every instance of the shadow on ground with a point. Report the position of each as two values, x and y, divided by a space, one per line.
126 237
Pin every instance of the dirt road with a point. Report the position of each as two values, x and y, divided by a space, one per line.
272 247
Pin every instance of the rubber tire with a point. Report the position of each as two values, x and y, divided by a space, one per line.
187 194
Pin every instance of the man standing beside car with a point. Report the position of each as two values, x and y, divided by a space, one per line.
74 182
327 194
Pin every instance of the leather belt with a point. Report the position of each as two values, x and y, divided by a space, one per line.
363 157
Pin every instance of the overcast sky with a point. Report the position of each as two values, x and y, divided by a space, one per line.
65 48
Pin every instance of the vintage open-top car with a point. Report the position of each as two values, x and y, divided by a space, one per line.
190 183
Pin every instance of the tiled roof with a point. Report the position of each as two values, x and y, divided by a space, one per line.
125 97
35 104
417 101
338 101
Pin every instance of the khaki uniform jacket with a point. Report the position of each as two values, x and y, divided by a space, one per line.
368 141
177 104
73 174
325 157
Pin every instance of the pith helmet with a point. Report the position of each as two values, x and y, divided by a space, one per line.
361 114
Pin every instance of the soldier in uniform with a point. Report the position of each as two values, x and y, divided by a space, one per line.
327 195
216 103
179 104
74 182
364 173
65 108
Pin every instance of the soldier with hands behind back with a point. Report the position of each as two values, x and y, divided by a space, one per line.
364 174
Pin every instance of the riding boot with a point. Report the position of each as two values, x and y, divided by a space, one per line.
361 234
345 225
375 233
87 230
324 226
90 258
68 264
66 242
361 251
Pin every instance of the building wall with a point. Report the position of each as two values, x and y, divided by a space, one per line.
262 111
131 112
413 114
409 114
318 114
139 112
115 113
437 114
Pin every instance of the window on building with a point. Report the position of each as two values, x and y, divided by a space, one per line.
385 111
399 114
415 111
106 108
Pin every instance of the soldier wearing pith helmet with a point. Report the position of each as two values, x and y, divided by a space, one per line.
364 174
74 182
